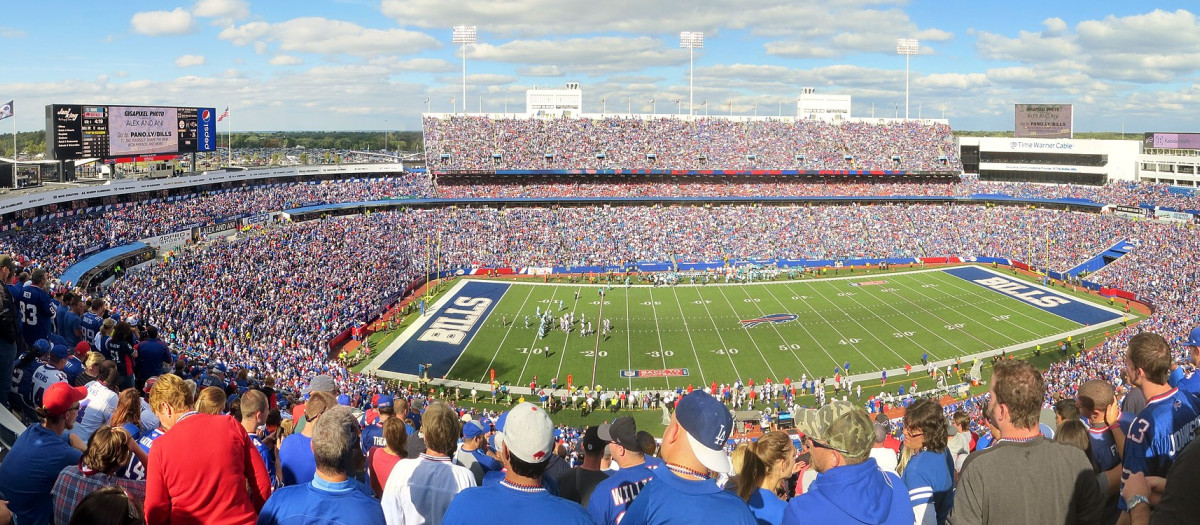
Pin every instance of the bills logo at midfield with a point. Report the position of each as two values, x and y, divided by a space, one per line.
773 318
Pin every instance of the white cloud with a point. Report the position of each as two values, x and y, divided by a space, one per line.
1028 46
540 71
481 79
807 25
322 35
285 60
162 23
190 61
8 32
587 55
952 81
228 9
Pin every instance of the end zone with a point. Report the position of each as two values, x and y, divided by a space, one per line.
440 336
1041 297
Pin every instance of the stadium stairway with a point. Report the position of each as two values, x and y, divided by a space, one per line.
1104 258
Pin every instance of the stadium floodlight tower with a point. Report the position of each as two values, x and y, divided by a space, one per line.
691 40
464 36
907 47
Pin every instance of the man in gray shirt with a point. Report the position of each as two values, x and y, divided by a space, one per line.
1024 478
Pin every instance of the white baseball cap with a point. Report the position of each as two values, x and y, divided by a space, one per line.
527 432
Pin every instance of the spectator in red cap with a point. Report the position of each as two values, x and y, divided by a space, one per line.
201 467
29 471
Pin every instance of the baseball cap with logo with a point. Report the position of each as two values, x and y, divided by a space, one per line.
150 384
473 429
708 424
592 443
622 431
527 432
1194 337
60 397
385 401
839 426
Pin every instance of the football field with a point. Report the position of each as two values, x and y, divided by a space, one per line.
669 336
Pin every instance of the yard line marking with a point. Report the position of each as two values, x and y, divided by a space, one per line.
521 377
751 336
853 346
691 341
502 340
717 329
661 351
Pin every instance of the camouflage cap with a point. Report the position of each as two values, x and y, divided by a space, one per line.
840 426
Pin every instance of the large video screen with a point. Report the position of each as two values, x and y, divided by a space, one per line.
1043 121
1173 140
82 131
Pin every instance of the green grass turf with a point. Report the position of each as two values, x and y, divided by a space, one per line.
697 328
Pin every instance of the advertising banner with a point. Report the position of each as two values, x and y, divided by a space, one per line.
1044 121
142 131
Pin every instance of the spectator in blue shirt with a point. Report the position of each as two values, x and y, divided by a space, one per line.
152 354
332 496
30 469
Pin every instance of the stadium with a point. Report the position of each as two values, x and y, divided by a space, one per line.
597 266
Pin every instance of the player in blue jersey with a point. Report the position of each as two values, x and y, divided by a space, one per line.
1171 417
37 311
613 496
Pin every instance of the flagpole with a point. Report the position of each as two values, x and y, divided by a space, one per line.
229 135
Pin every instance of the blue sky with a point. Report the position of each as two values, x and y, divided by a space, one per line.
370 65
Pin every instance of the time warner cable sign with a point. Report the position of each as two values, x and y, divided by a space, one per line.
1043 121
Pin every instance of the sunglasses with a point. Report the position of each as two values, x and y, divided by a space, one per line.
812 443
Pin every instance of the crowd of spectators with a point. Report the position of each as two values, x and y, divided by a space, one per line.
482 143
57 243
508 187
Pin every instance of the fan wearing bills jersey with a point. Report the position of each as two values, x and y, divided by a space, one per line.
1170 419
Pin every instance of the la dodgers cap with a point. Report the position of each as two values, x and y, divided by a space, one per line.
527 432
707 424
840 426
1194 337
622 431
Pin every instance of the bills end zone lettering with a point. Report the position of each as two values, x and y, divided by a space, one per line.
447 331
1043 298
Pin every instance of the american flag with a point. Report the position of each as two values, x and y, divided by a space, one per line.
223 115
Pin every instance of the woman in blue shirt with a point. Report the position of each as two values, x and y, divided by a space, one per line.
761 467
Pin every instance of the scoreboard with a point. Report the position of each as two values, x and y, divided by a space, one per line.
75 131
